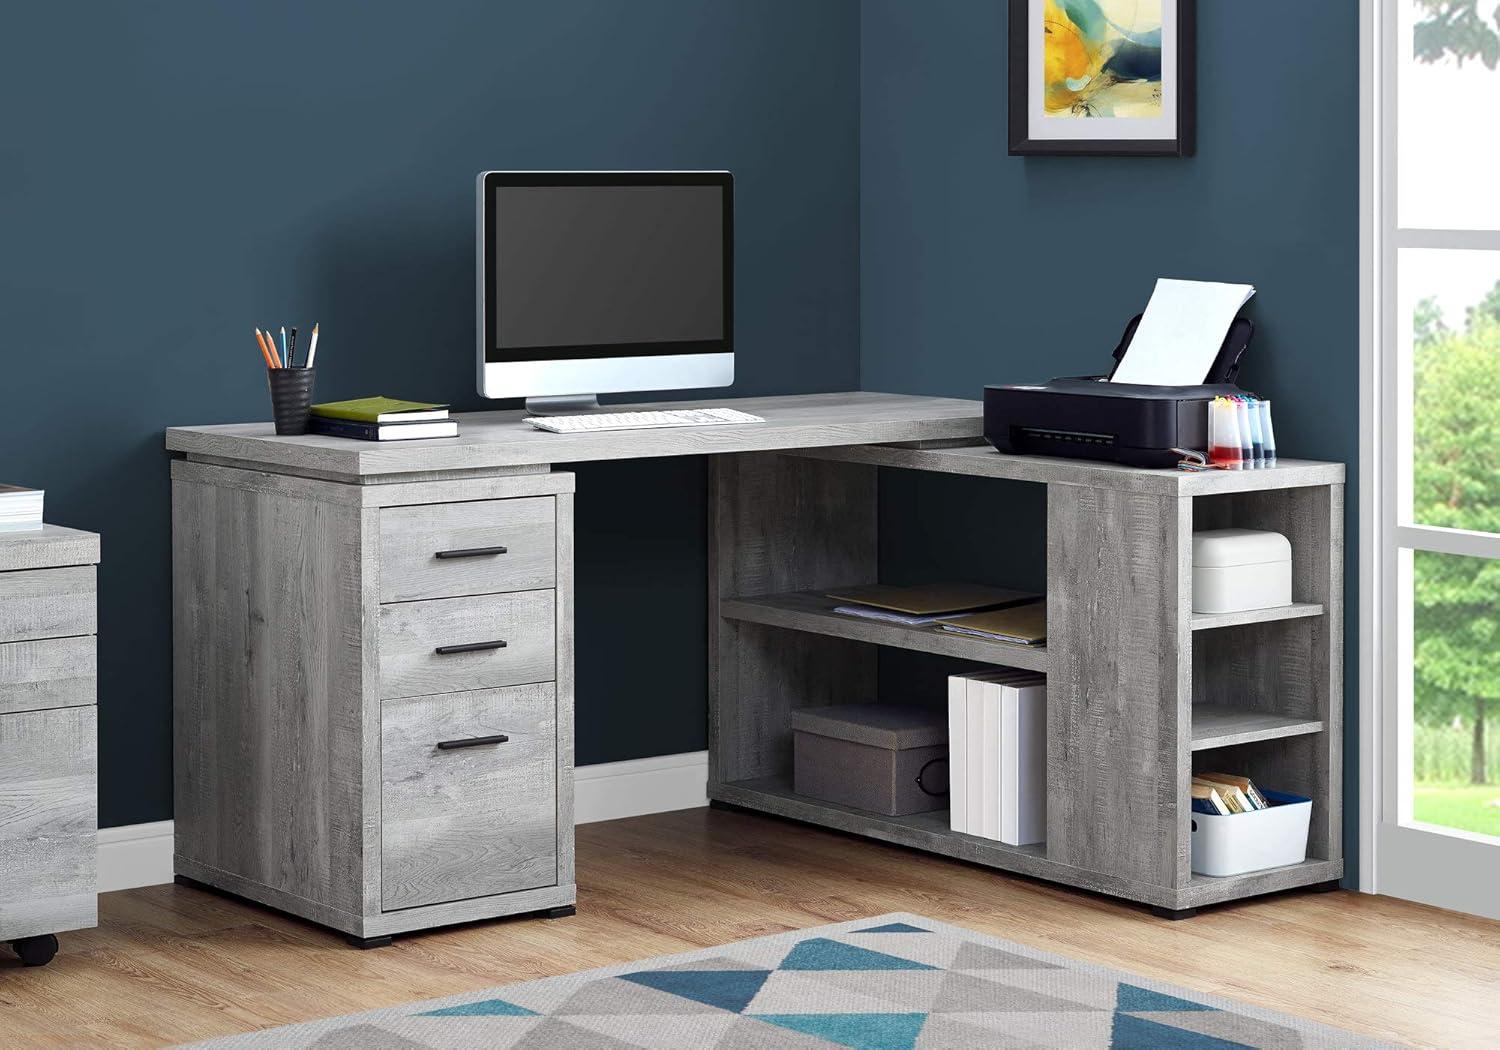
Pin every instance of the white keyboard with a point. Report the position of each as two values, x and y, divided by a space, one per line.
682 417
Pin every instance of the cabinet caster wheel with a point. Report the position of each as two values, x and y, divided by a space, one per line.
1173 913
368 942
36 951
560 912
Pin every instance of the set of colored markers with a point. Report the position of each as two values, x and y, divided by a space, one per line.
1239 433
288 354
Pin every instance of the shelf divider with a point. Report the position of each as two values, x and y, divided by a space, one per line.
1295 611
1216 725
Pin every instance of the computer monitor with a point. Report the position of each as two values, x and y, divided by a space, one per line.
596 282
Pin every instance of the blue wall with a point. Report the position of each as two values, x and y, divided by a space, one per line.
977 267
174 173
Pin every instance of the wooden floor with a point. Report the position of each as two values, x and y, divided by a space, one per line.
170 964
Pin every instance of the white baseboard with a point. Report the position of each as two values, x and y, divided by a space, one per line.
141 854
613 790
135 855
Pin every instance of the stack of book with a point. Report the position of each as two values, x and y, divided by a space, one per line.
1223 794
926 604
997 755
382 419
20 508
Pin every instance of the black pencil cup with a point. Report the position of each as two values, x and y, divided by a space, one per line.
291 398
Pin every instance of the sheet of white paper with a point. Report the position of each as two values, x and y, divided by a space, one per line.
1181 332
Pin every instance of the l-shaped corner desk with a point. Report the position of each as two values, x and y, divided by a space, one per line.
373 654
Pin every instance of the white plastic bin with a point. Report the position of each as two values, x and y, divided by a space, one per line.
1241 842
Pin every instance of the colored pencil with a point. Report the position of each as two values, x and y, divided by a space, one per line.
286 358
312 347
268 347
263 351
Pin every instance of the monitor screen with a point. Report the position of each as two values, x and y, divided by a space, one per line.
610 265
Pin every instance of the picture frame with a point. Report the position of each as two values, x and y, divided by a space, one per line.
1117 90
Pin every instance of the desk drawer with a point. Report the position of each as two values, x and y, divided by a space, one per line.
46 603
445 550
460 821
49 840
53 672
487 641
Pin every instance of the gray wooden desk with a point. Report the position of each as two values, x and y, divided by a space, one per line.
322 585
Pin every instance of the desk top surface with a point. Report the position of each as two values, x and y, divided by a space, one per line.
500 439
47 547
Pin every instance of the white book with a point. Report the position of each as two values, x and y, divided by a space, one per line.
974 756
989 804
20 508
958 720
1023 763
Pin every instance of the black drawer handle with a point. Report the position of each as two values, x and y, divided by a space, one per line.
469 647
472 552
473 741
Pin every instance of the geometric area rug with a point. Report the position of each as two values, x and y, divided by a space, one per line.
893 982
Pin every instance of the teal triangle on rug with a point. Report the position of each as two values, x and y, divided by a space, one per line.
483 1008
858 1031
820 953
726 989
895 927
1142 1033
1140 1000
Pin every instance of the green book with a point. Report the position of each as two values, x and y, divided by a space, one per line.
381 410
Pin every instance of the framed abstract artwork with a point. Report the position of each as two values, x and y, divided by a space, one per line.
1102 77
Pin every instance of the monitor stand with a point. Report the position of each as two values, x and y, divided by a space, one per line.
562 404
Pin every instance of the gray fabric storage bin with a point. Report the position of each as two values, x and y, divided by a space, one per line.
869 756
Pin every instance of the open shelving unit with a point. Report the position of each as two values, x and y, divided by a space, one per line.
1141 690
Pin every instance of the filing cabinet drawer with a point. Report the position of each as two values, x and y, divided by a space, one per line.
46 603
449 549
468 795
452 644
53 672
48 821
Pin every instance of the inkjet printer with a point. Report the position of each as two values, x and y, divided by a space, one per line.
1088 417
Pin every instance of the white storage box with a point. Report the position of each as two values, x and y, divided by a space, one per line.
1239 569
1241 842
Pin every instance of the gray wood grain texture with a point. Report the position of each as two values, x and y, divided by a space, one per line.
812 611
930 832
1116 696
48 822
981 460
468 822
779 524
53 672
1210 621
411 539
1294 667
500 439
565 686
1216 725
411 632
388 494
47 547
269 719
47 603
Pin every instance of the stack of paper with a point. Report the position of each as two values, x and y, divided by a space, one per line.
923 605
1181 332
20 508
1019 624
997 755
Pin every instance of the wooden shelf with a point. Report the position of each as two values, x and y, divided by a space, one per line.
1216 726
930 832
812 612
1295 611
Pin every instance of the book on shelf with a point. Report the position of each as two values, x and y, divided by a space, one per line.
1206 799
1242 789
997 755
349 428
381 410
20 508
